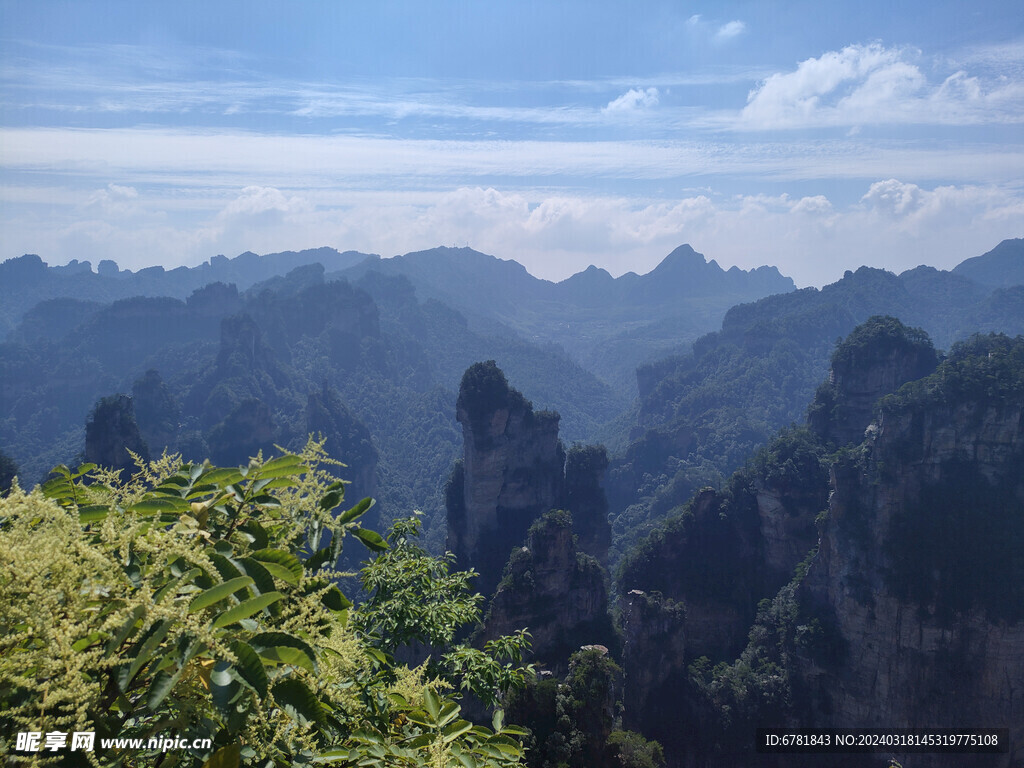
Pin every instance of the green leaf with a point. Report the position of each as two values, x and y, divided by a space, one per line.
250 668
266 500
333 755
449 711
331 499
293 693
285 654
421 741
498 719
432 703
260 538
225 567
152 506
217 593
226 757
283 648
335 600
224 688
162 685
61 488
260 575
92 513
318 559
357 511
452 731
373 540
246 609
149 646
283 565
91 639
83 470
283 466
222 477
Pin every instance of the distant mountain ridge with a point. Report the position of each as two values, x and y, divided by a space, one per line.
610 325
1002 267
28 280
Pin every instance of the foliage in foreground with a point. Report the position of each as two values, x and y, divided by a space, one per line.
201 602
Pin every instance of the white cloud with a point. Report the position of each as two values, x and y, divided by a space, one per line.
633 100
893 198
114 198
255 202
895 225
730 30
871 84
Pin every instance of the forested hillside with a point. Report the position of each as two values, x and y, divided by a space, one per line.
703 413
224 374
854 586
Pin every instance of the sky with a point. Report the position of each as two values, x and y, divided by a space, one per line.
815 137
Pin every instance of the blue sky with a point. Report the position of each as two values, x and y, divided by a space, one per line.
813 136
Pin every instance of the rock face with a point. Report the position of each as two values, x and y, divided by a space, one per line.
878 357
584 496
654 661
246 431
513 464
513 471
348 440
246 369
920 562
111 432
556 592
729 549
156 411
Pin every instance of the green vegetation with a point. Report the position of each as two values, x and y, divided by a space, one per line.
704 413
573 723
955 546
707 548
878 336
984 368
371 367
485 389
203 601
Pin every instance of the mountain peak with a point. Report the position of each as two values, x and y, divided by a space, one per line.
684 256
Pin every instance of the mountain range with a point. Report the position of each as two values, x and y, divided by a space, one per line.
796 474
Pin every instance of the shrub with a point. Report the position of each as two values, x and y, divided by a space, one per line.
201 602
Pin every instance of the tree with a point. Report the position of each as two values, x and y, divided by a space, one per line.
201 602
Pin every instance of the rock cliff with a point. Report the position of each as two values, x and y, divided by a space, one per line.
920 564
877 358
111 432
653 660
513 471
348 440
555 591
156 412
731 548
